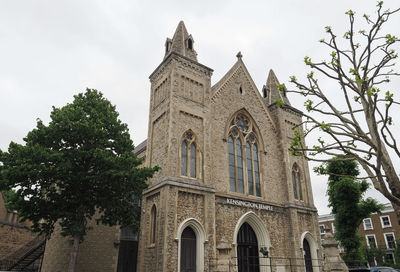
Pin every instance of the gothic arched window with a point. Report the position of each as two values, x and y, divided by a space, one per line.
296 180
244 172
190 44
153 224
188 155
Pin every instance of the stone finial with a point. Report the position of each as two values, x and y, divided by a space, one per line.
328 232
239 55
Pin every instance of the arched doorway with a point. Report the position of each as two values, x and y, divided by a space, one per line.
200 238
307 256
188 250
247 250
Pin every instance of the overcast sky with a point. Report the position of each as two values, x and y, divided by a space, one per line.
51 50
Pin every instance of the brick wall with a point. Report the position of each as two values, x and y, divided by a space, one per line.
13 237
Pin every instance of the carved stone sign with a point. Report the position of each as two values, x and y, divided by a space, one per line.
254 205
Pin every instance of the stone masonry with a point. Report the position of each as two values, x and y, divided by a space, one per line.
195 190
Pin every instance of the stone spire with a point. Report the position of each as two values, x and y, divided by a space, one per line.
271 92
182 43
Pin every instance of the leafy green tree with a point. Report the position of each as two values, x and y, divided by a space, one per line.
10 197
356 117
78 168
372 254
397 253
345 194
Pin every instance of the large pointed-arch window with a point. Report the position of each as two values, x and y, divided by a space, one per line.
244 169
189 155
296 180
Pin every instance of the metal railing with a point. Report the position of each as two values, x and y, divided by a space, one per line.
271 264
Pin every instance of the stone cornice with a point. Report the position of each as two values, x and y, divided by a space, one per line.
174 55
288 109
182 183
301 207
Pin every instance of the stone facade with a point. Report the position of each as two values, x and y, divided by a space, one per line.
205 190
182 100
98 252
14 234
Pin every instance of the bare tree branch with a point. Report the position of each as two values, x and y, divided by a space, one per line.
360 127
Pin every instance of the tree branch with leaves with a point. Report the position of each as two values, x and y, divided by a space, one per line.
345 194
79 168
356 119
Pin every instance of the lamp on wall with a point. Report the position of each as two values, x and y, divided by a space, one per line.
264 251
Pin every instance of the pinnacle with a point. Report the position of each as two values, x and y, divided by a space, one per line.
272 79
181 43
273 92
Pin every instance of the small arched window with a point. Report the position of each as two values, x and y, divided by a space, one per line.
265 92
296 180
168 44
244 172
188 155
190 44
153 224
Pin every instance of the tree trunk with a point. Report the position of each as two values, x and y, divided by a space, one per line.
74 253
396 209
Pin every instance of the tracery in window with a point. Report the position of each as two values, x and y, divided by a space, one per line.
244 173
296 180
189 155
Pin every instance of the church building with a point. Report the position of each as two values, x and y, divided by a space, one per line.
229 195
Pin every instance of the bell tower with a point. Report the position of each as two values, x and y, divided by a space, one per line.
179 107
178 141
296 170
288 120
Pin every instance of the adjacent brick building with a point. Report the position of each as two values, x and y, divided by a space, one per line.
13 234
228 193
379 230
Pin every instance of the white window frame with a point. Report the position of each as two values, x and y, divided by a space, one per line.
394 259
320 231
386 241
366 238
390 222
365 225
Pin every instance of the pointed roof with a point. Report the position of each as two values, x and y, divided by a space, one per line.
181 43
272 91
239 66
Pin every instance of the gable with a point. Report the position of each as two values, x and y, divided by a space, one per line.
238 87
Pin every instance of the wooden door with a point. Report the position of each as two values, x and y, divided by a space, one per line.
307 256
247 250
188 250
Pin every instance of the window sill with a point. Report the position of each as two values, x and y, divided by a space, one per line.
186 177
245 195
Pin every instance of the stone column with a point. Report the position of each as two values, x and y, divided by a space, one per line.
333 261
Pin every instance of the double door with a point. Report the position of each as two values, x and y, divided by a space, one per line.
247 250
